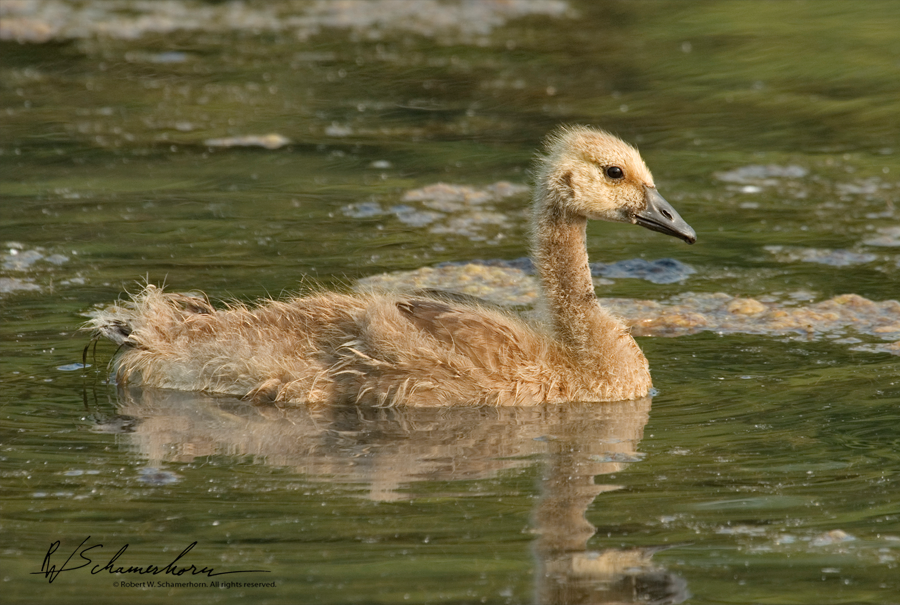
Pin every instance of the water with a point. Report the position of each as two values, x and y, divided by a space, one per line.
247 150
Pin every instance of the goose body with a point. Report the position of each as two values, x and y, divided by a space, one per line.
422 350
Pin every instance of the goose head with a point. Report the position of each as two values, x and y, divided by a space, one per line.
594 174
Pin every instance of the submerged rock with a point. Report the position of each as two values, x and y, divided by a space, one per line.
822 256
267 141
660 271
448 209
449 197
14 284
888 237
34 263
757 173
39 21
496 284
157 477
690 313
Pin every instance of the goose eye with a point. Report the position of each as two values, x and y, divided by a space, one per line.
614 172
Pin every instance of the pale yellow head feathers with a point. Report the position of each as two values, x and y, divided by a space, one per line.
594 174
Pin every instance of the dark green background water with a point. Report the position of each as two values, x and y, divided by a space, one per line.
768 463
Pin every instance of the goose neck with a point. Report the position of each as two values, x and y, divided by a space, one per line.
560 253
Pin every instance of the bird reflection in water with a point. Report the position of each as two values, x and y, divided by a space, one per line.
386 449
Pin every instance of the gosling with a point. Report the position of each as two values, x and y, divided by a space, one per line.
422 349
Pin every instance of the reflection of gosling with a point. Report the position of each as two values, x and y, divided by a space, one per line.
610 576
614 563
423 350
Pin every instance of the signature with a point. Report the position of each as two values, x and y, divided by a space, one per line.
51 571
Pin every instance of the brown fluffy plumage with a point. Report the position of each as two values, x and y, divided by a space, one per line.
421 350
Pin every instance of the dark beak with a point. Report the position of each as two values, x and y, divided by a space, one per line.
659 215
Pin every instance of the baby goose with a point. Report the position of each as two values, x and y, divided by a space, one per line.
421 350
